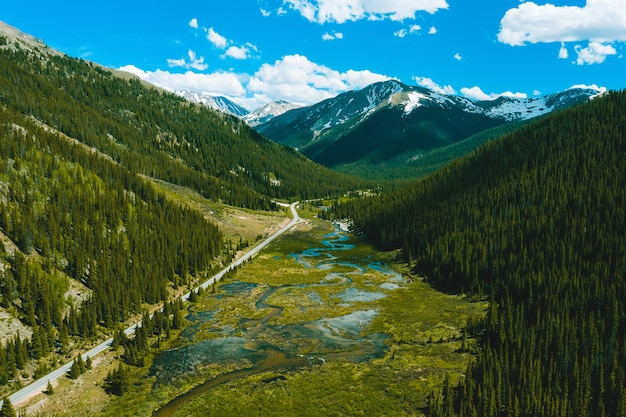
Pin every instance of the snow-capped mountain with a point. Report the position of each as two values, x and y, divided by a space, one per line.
389 118
214 102
267 112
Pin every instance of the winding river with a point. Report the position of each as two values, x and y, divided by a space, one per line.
331 338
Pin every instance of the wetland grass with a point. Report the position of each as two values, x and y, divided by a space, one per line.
423 338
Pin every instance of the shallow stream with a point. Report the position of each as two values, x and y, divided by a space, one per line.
278 348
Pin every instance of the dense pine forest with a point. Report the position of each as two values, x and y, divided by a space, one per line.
159 134
74 215
536 221
85 240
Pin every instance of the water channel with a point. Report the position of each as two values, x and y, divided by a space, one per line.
278 348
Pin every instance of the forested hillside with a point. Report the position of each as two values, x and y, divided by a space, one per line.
537 222
158 134
86 241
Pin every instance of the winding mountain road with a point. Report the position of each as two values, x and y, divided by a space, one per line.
41 384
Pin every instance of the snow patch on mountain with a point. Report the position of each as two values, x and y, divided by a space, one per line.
413 101
267 112
214 102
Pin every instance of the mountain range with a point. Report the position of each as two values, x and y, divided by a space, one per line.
253 118
390 125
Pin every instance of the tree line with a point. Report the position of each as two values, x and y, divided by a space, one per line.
536 221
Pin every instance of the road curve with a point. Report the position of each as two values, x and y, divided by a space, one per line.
41 384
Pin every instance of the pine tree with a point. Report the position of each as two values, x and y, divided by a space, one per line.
7 409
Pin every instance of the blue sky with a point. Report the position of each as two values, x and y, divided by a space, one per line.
303 51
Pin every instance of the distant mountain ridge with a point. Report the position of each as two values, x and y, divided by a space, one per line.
388 120
267 112
214 102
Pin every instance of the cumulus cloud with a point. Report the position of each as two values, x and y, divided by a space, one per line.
194 62
218 83
476 93
341 11
595 53
297 79
237 52
293 78
432 30
563 54
216 39
194 23
431 85
458 56
598 21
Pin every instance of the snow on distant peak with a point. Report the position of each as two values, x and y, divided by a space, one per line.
267 112
413 101
588 87
214 102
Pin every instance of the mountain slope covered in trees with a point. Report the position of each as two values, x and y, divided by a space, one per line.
537 222
86 240
387 127
156 133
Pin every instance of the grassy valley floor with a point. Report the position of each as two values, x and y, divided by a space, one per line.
360 340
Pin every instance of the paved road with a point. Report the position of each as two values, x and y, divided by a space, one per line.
41 384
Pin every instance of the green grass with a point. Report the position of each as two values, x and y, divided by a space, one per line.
424 329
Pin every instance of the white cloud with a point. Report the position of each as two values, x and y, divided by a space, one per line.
332 36
341 11
432 30
401 33
194 62
293 78
595 53
265 13
431 85
218 83
536 93
176 62
458 56
194 23
477 93
296 79
563 54
411 30
216 39
598 21
237 52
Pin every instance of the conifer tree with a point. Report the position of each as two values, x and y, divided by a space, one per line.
7 409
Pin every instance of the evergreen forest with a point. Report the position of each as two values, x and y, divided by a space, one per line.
86 240
535 222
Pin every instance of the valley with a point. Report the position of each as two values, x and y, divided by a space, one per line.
311 318
392 250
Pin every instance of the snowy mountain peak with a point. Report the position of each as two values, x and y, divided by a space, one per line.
267 112
505 108
214 102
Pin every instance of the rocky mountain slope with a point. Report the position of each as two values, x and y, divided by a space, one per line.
213 102
267 112
390 120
